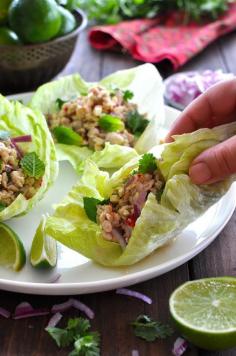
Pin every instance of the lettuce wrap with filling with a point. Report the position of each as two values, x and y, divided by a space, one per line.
163 215
28 164
141 86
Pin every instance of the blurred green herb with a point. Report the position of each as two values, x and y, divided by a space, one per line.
127 95
86 343
136 123
149 329
112 11
147 164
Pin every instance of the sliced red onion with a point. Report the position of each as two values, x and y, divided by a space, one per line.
135 353
141 199
5 313
54 320
57 308
25 138
134 294
82 307
182 88
118 236
25 310
180 346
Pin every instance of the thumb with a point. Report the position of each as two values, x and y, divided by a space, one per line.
214 164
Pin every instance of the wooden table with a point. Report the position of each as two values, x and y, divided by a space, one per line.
113 313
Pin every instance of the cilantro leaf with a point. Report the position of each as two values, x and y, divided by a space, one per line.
127 95
149 329
63 337
75 328
90 207
2 206
111 123
32 165
67 136
147 164
87 345
136 123
60 103
78 325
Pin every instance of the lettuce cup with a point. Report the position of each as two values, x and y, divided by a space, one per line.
121 219
28 163
110 121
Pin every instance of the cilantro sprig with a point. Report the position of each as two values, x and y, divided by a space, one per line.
127 95
32 165
111 123
136 123
86 343
149 329
67 136
60 103
147 164
90 207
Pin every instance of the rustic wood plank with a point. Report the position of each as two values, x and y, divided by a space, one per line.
227 45
85 60
113 314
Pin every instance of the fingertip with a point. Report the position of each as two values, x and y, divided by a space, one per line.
200 173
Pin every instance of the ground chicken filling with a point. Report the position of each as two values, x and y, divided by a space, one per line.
83 114
118 218
13 181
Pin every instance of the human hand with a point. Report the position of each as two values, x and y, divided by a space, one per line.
215 107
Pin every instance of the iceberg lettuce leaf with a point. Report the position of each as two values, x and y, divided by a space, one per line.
20 120
181 202
149 98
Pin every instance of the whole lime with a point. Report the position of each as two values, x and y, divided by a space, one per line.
8 37
4 5
35 21
68 22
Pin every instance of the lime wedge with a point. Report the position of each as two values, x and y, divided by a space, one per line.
204 311
43 252
12 252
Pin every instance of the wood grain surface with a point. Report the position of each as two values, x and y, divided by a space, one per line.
113 312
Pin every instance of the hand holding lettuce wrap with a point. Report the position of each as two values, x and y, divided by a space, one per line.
119 220
28 163
214 107
109 121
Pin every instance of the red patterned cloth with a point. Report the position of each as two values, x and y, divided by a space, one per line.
162 38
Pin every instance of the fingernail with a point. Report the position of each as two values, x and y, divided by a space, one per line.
200 173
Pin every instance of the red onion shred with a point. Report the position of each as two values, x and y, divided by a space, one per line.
182 88
25 310
5 313
82 307
62 306
180 346
131 293
118 236
135 353
75 303
54 320
25 138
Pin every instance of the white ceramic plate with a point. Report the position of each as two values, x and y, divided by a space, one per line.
79 275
